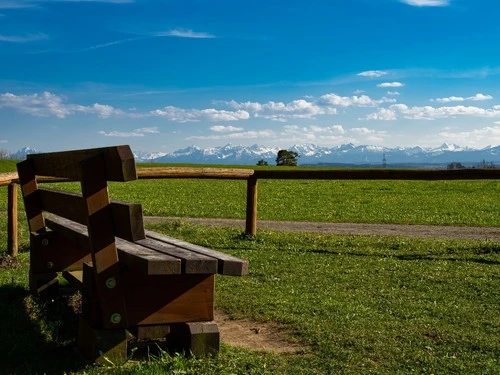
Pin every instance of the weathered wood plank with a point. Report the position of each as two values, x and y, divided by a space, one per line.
191 262
12 223
227 264
31 197
251 214
119 163
168 299
127 220
106 265
62 203
8 178
379 174
132 255
185 172
127 217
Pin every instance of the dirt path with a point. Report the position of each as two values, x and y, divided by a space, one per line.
422 231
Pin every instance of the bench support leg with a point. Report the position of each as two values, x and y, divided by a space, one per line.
200 338
45 285
100 346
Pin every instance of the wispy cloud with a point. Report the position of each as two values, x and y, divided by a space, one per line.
427 3
161 34
19 4
23 38
476 98
141 132
180 33
373 73
110 44
390 84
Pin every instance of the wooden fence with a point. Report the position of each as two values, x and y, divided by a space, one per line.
252 177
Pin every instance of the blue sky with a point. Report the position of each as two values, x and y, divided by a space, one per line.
166 74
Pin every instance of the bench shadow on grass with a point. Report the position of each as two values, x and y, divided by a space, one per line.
36 337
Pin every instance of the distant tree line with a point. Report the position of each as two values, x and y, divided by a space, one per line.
483 164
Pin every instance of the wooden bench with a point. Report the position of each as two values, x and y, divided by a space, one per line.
131 280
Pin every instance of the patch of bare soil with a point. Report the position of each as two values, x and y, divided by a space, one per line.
9 262
248 334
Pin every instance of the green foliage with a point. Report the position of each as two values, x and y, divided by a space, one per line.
262 163
287 158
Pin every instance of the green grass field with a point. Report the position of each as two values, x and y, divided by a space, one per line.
358 304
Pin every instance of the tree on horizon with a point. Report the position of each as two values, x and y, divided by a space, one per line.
287 158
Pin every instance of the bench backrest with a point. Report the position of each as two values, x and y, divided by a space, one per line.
92 168
104 219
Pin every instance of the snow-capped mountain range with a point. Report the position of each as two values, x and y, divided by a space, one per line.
313 154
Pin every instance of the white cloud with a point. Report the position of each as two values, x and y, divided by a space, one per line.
190 115
279 111
3 141
473 138
390 84
48 104
327 135
475 98
383 114
302 109
141 132
432 113
268 134
314 134
393 93
186 34
373 73
350 101
370 136
23 38
426 3
225 129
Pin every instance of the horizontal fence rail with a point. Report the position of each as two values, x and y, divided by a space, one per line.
252 177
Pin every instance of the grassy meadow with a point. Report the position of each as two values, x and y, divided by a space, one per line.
357 304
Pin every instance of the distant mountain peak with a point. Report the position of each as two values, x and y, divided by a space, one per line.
350 154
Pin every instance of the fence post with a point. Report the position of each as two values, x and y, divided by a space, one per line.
12 227
251 219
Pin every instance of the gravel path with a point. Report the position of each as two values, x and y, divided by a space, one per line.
422 231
